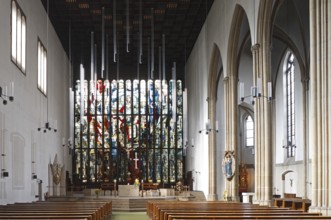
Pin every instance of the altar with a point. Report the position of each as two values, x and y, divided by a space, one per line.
248 197
128 190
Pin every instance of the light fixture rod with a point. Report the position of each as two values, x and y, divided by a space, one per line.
149 57
92 55
163 55
107 56
138 58
103 43
140 33
95 63
114 30
127 26
160 61
69 63
174 98
118 66
152 43
81 93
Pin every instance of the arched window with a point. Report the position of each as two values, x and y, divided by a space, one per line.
249 131
290 100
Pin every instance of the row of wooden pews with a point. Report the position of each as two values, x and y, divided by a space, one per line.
171 210
59 209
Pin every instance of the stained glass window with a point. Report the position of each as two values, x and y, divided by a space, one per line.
290 92
129 130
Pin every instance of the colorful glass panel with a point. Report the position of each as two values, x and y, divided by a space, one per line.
135 97
129 129
128 97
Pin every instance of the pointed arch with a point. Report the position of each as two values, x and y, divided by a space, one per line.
215 65
230 93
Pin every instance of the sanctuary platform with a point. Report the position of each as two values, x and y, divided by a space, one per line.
131 203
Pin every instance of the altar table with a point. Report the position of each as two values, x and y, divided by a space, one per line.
128 190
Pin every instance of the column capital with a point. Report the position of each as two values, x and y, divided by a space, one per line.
255 47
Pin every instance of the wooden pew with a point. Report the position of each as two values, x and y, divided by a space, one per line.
221 216
293 203
82 209
159 207
163 210
37 215
266 212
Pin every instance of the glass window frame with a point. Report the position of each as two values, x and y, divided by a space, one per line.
18 36
42 68
246 137
289 96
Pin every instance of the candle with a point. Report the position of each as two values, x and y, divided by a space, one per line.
241 91
12 89
259 87
269 91
216 125
208 125
253 91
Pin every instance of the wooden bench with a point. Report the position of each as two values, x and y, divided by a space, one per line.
156 212
82 209
109 186
222 216
293 203
164 210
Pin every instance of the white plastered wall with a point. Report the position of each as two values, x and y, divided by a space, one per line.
28 111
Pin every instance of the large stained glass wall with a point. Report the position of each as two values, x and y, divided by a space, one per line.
128 130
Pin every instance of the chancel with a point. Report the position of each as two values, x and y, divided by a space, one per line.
190 106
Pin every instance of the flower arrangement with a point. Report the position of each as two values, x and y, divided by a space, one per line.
136 182
97 191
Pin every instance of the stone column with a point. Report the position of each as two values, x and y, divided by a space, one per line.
231 131
305 82
212 196
262 109
320 58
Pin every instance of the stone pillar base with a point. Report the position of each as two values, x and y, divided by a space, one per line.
212 197
326 211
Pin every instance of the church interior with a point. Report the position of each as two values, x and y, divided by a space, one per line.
224 100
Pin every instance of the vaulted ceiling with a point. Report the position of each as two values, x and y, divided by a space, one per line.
179 20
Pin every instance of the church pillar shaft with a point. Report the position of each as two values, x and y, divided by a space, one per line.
263 160
234 133
212 149
320 52
231 131
313 101
305 131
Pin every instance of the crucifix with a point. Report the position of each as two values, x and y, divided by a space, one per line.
136 159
